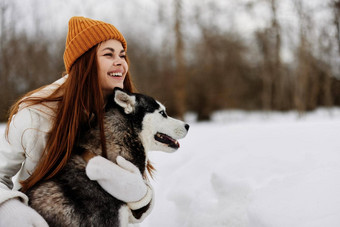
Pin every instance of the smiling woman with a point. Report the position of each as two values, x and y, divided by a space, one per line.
112 65
45 125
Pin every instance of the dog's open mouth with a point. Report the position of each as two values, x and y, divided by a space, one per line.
160 137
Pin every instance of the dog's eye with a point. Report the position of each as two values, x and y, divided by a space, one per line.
162 112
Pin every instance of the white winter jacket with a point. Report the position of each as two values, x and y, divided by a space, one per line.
26 141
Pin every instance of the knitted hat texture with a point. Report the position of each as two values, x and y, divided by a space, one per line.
83 34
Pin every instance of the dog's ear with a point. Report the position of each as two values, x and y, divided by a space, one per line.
125 100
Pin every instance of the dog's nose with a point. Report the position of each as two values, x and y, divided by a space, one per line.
187 127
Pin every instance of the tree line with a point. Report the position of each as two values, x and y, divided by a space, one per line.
218 69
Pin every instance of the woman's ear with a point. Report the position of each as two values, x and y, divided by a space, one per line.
126 101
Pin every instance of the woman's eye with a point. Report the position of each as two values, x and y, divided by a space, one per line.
162 112
123 56
108 54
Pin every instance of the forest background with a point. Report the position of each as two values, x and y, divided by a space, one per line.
193 56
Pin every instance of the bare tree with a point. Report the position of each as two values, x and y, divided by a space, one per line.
281 80
304 57
5 31
180 76
273 80
335 5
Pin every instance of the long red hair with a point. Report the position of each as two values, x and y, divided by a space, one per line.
78 98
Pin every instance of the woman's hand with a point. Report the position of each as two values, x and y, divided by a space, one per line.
14 213
122 180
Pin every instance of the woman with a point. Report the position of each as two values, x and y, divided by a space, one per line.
45 124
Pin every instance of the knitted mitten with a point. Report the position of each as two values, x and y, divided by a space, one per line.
122 180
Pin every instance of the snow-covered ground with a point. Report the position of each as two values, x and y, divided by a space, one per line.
251 169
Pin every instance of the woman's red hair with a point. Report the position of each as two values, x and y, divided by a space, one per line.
78 98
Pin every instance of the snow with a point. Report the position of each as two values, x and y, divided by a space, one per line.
251 169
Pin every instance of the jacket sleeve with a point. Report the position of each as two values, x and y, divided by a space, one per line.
12 151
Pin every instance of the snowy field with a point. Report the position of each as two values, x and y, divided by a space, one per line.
251 169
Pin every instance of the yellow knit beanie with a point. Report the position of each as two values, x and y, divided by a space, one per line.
84 33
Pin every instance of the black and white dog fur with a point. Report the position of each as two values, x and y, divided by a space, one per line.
134 124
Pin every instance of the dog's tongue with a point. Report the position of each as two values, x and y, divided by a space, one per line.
160 137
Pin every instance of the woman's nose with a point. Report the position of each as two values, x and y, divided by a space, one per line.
117 62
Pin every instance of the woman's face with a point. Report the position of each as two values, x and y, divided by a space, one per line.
112 65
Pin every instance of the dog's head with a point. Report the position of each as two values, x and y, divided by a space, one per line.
156 129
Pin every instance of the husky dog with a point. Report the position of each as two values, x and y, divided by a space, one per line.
134 124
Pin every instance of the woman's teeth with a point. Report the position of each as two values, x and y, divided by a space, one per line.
115 74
